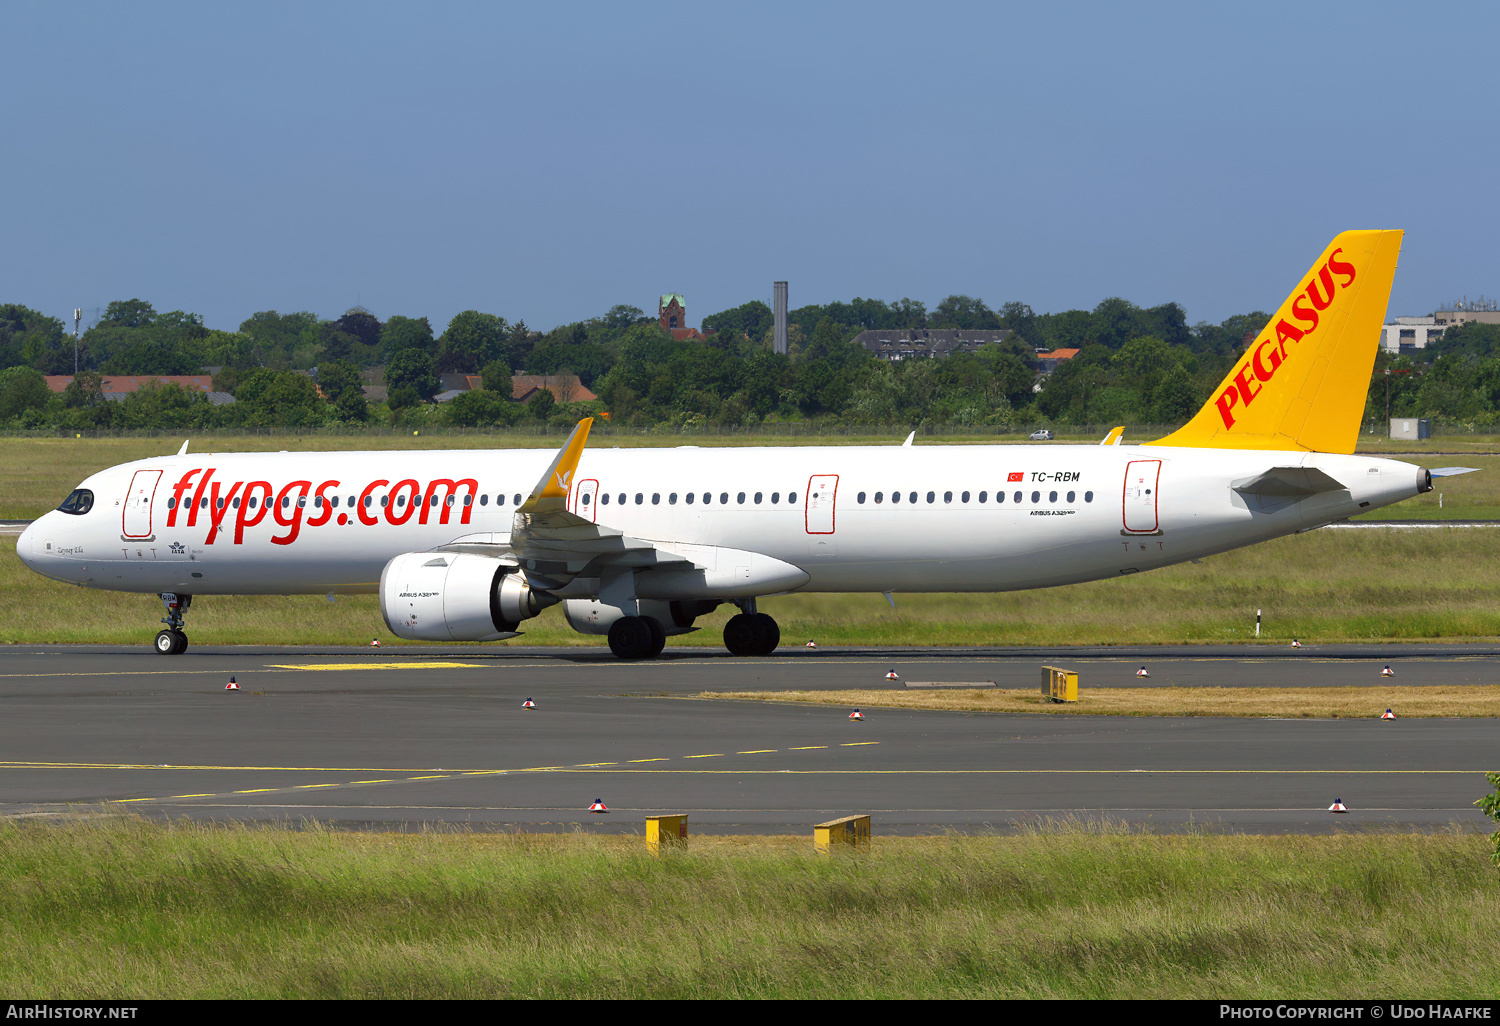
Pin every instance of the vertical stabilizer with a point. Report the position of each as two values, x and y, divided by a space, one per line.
1302 383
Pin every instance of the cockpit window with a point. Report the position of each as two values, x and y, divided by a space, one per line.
79 503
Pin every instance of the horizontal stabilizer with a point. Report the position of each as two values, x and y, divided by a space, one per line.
1453 471
1288 482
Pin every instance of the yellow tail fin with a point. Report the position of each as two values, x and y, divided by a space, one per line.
1302 383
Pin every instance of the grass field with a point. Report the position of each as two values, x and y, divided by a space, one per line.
1322 586
131 909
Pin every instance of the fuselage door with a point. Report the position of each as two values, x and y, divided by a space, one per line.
821 490
1140 503
136 520
585 499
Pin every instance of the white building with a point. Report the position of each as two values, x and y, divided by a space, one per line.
1408 334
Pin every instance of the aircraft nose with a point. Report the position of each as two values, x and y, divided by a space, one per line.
24 543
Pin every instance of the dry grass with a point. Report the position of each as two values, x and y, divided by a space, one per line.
1294 703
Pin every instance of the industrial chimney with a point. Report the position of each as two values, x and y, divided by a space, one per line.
779 309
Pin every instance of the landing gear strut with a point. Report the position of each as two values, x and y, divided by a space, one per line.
750 632
172 641
637 637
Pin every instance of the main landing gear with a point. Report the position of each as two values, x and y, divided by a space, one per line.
172 641
751 633
637 637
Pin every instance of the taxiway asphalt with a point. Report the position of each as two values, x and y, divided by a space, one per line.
404 738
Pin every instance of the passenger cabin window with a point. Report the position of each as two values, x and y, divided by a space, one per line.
740 498
79 502
860 498
879 496
791 497
985 495
1088 496
895 496
757 498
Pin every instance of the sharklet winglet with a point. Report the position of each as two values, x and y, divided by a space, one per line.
551 493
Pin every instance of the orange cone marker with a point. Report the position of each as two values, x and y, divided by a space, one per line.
856 715
598 806
1388 715
528 704
231 686
1337 806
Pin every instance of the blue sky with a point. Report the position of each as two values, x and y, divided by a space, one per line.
545 162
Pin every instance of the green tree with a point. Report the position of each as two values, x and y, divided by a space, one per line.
541 405
415 369
483 408
473 339
401 334
267 398
22 389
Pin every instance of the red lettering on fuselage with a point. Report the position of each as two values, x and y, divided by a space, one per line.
181 486
1320 292
253 500
286 501
216 511
249 502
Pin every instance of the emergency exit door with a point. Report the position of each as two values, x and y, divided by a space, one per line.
1140 502
821 491
136 519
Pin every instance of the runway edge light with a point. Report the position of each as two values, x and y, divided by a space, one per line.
856 715
231 686
1388 715
598 806
1337 806
528 704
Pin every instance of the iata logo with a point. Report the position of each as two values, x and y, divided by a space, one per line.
178 548
1269 354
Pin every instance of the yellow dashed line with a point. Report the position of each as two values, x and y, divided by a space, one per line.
300 787
649 760
590 765
258 790
807 748
377 666
856 744
758 751
710 755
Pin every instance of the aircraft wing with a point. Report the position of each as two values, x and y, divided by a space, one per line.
551 545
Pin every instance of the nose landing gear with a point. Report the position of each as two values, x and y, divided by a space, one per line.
172 641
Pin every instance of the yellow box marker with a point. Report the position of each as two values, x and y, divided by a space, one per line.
851 830
666 830
1059 685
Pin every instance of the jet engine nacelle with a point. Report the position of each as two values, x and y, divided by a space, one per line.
456 596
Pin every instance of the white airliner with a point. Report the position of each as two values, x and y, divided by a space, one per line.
466 545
